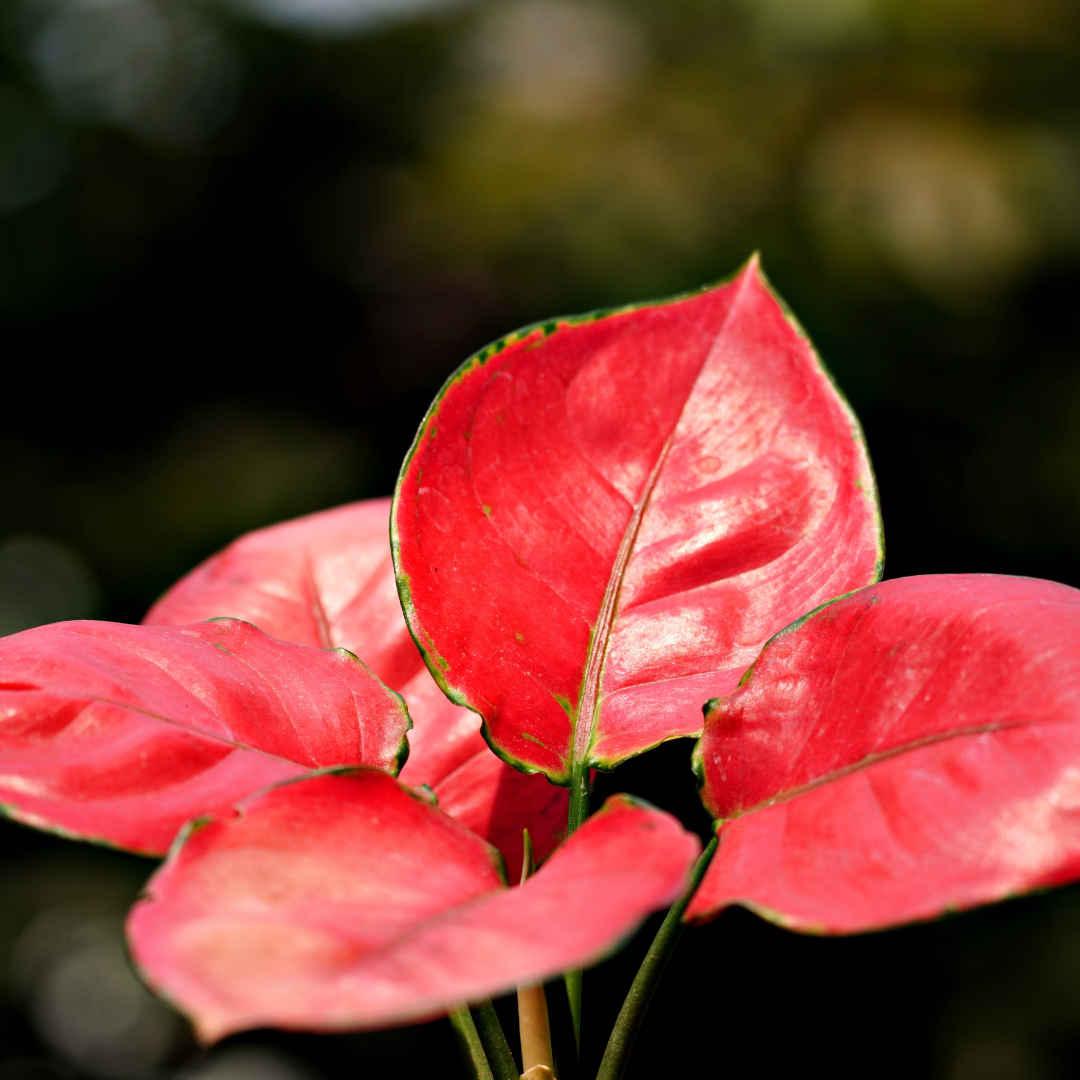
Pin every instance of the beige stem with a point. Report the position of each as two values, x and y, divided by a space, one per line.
532 1004
538 1072
533 1022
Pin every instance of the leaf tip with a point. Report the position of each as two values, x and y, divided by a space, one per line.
209 1030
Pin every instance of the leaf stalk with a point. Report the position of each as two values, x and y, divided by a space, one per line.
472 1049
533 1024
580 790
626 1028
534 1028
573 980
577 812
503 1066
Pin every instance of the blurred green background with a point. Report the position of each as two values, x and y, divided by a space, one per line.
242 244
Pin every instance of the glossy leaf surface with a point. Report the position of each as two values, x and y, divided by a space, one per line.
327 580
908 750
122 733
343 902
602 519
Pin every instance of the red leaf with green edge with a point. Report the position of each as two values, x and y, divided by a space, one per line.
602 519
120 734
343 902
327 580
908 750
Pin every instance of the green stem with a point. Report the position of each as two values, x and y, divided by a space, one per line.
580 790
503 1066
648 977
472 1049
573 980
577 812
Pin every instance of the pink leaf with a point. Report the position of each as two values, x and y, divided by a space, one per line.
910 749
327 580
343 902
122 733
324 580
602 519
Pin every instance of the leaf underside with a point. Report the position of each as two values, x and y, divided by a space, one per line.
344 902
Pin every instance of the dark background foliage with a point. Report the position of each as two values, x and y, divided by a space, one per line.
241 247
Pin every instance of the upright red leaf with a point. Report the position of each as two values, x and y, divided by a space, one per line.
910 749
602 519
122 733
327 580
344 902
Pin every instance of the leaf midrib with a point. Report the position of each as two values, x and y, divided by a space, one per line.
588 703
871 760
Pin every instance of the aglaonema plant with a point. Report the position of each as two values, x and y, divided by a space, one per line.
605 525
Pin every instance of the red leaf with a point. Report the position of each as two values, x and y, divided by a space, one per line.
324 580
343 902
907 750
327 580
122 733
603 518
